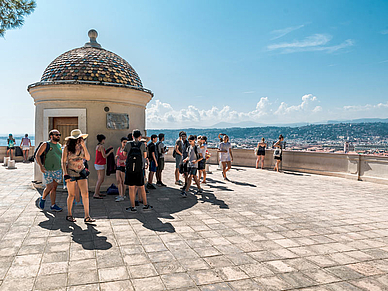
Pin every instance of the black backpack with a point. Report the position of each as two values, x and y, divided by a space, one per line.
43 155
134 163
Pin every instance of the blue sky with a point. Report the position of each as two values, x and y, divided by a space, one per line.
212 61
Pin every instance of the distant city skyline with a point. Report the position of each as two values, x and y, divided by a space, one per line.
216 61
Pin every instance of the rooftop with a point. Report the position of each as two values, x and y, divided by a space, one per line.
260 231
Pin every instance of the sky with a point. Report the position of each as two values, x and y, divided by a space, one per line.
211 61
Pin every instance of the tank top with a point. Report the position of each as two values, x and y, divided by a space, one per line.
75 162
100 160
25 141
53 158
120 157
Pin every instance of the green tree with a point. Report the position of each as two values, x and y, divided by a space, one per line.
12 13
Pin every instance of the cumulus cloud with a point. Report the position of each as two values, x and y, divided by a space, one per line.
316 42
163 115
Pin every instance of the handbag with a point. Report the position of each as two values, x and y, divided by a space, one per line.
277 153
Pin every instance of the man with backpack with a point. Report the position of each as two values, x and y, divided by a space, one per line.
153 160
48 157
134 175
193 157
161 150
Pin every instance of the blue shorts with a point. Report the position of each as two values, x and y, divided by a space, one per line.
192 171
51 176
178 159
152 166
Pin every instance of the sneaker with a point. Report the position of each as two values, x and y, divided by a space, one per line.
55 208
131 209
158 183
41 203
147 207
120 199
150 186
178 183
184 194
117 197
147 192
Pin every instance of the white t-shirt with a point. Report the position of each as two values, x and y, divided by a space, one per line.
203 151
225 146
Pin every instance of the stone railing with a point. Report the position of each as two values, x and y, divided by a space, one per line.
359 167
3 153
352 166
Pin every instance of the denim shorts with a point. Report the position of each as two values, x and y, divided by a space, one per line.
178 159
99 167
192 171
51 176
152 166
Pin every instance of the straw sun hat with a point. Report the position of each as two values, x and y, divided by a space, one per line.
76 134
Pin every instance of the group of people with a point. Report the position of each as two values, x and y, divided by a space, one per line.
278 154
25 145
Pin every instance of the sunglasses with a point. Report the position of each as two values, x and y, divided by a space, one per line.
57 134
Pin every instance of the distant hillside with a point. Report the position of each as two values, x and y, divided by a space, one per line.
361 120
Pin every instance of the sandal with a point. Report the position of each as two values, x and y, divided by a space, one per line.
70 218
89 220
97 197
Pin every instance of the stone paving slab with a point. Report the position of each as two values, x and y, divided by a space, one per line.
260 231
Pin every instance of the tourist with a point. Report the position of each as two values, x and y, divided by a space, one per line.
278 152
161 150
25 145
260 152
177 154
75 173
193 157
48 158
134 174
202 140
120 169
10 146
99 164
226 156
183 167
221 138
153 160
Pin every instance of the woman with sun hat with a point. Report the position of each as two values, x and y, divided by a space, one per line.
75 173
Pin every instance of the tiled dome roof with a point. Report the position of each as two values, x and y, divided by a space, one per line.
91 63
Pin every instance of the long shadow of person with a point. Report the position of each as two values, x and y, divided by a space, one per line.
88 237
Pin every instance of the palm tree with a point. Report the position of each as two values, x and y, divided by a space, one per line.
12 13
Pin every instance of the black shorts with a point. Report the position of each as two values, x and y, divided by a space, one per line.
10 148
75 179
121 169
160 164
201 165
183 168
278 158
261 153
134 179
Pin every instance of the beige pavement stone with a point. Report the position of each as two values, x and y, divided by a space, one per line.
149 284
113 274
125 285
47 282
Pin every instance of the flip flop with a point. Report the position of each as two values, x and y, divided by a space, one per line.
97 197
70 218
89 220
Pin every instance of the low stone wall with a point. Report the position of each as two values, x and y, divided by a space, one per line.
351 166
3 153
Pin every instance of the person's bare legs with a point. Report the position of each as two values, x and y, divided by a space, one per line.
70 196
11 151
204 176
100 180
120 184
277 166
189 178
83 186
143 194
224 169
196 180
27 153
48 190
24 156
257 161
176 175
77 194
150 177
53 193
229 164
132 194
262 162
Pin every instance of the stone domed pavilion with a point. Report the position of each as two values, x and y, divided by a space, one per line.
92 89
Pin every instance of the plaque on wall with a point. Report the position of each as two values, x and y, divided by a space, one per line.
117 121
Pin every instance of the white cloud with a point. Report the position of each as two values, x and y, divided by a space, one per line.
316 42
282 32
384 31
163 115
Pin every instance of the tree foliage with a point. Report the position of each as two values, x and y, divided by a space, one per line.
12 13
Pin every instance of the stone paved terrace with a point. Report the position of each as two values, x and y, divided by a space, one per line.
261 231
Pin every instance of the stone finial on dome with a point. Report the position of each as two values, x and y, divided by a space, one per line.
92 43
